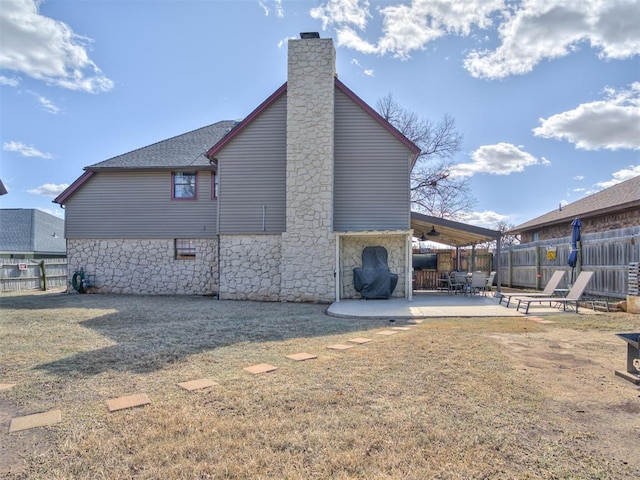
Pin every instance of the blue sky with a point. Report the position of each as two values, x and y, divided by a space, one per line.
546 93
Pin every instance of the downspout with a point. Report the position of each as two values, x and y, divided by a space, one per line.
217 163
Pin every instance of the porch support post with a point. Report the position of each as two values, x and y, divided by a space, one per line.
337 272
408 268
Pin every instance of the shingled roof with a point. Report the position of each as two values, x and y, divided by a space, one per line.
186 150
28 231
622 196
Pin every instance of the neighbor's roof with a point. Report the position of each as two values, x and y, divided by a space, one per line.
622 196
186 150
27 230
450 232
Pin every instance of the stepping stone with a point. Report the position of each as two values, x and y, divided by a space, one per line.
35 420
416 321
301 357
402 329
339 346
7 386
387 332
539 320
260 368
129 401
359 340
197 384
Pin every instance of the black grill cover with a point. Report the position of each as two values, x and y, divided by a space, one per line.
373 279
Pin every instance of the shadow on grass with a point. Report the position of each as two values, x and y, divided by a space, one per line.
151 332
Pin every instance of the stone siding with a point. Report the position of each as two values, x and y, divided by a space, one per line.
308 245
351 248
250 267
144 266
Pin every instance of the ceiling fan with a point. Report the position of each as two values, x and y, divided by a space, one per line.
433 232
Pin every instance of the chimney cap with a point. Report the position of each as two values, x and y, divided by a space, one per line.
304 35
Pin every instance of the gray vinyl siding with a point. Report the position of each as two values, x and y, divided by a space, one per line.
253 173
371 173
138 204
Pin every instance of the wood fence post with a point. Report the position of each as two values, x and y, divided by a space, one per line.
43 275
538 271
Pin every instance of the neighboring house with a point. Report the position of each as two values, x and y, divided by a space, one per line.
29 233
277 207
613 208
610 231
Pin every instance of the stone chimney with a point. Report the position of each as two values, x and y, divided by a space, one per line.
308 245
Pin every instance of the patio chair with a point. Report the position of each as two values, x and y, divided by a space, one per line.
490 278
478 283
574 295
549 288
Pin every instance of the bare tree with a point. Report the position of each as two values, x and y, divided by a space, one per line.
433 189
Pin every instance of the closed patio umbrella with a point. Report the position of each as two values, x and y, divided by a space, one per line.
575 238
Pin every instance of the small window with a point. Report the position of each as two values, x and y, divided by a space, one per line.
185 249
214 185
535 236
184 185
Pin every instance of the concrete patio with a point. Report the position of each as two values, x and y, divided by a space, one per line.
427 304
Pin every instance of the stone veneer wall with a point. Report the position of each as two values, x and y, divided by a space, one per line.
308 245
250 267
144 266
351 257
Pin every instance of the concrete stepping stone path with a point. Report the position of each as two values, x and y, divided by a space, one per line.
199 384
359 340
301 357
387 332
128 401
260 368
36 420
6 386
339 346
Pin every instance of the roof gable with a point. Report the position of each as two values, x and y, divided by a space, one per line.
414 149
619 197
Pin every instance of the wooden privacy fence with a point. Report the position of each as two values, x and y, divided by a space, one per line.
607 254
26 274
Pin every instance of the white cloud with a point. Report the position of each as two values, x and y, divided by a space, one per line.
498 159
620 176
405 28
12 82
486 219
611 124
579 177
529 31
47 104
276 5
49 189
25 150
366 71
547 29
46 49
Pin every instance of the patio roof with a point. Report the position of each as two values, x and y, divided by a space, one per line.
449 232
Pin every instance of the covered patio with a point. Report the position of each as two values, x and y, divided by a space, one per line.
421 304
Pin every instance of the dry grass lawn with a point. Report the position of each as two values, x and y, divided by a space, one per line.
448 399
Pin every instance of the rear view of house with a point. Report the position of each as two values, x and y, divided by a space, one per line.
278 207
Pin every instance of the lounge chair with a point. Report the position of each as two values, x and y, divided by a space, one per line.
549 288
490 278
574 295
